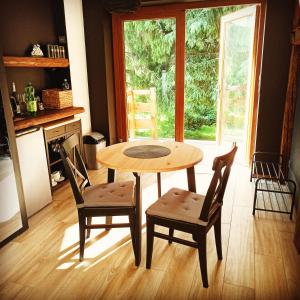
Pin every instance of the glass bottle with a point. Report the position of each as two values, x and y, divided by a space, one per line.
14 94
30 100
22 102
13 101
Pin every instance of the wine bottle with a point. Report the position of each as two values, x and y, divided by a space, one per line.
14 94
22 103
13 100
14 91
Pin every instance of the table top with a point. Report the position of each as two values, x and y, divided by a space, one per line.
182 156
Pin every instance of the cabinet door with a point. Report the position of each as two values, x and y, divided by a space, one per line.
34 171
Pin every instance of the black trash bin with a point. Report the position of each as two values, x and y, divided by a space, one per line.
92 142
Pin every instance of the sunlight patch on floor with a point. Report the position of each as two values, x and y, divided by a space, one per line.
70 238
65 266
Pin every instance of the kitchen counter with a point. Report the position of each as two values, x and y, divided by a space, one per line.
48 115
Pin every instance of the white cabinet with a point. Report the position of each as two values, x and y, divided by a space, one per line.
34 169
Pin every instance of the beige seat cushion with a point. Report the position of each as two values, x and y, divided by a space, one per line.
180 205
109 194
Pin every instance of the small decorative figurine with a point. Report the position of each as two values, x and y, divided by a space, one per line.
37 51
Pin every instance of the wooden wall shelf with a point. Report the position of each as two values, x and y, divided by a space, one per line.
48 115
35 62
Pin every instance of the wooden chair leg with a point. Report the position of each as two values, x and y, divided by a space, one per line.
132 231
254 202
202 259
218 237
108 220
89 222
150 237
81 235
171 234
159 184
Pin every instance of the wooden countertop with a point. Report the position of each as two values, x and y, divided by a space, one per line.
48 115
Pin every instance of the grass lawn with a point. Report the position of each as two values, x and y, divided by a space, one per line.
204 133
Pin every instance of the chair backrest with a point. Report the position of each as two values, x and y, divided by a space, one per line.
74 166
214 196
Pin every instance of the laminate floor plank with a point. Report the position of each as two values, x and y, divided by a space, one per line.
240 256
180 274
244 189
266 238
16 291
291 260
234 292
270 279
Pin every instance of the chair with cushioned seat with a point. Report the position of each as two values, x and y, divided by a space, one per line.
192 213
106 200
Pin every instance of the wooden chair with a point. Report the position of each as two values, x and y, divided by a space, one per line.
142 115
109 199
192 213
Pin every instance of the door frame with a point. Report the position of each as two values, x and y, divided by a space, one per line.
119 64
177 11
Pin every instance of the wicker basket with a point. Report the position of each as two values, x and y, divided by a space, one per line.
56 98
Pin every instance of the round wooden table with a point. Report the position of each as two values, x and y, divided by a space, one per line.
118 157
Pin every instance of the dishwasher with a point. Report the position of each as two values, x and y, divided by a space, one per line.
34 169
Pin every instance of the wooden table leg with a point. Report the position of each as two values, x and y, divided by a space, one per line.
191 179
110 175
159 184
138 227
110 178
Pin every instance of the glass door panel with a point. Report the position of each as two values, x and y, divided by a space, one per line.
235 76
150 77
201 71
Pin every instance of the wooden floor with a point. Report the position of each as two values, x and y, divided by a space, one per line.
260 260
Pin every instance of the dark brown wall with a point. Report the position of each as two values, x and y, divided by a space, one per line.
295 165
274 76
93 15
24 23
97 25
295 153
